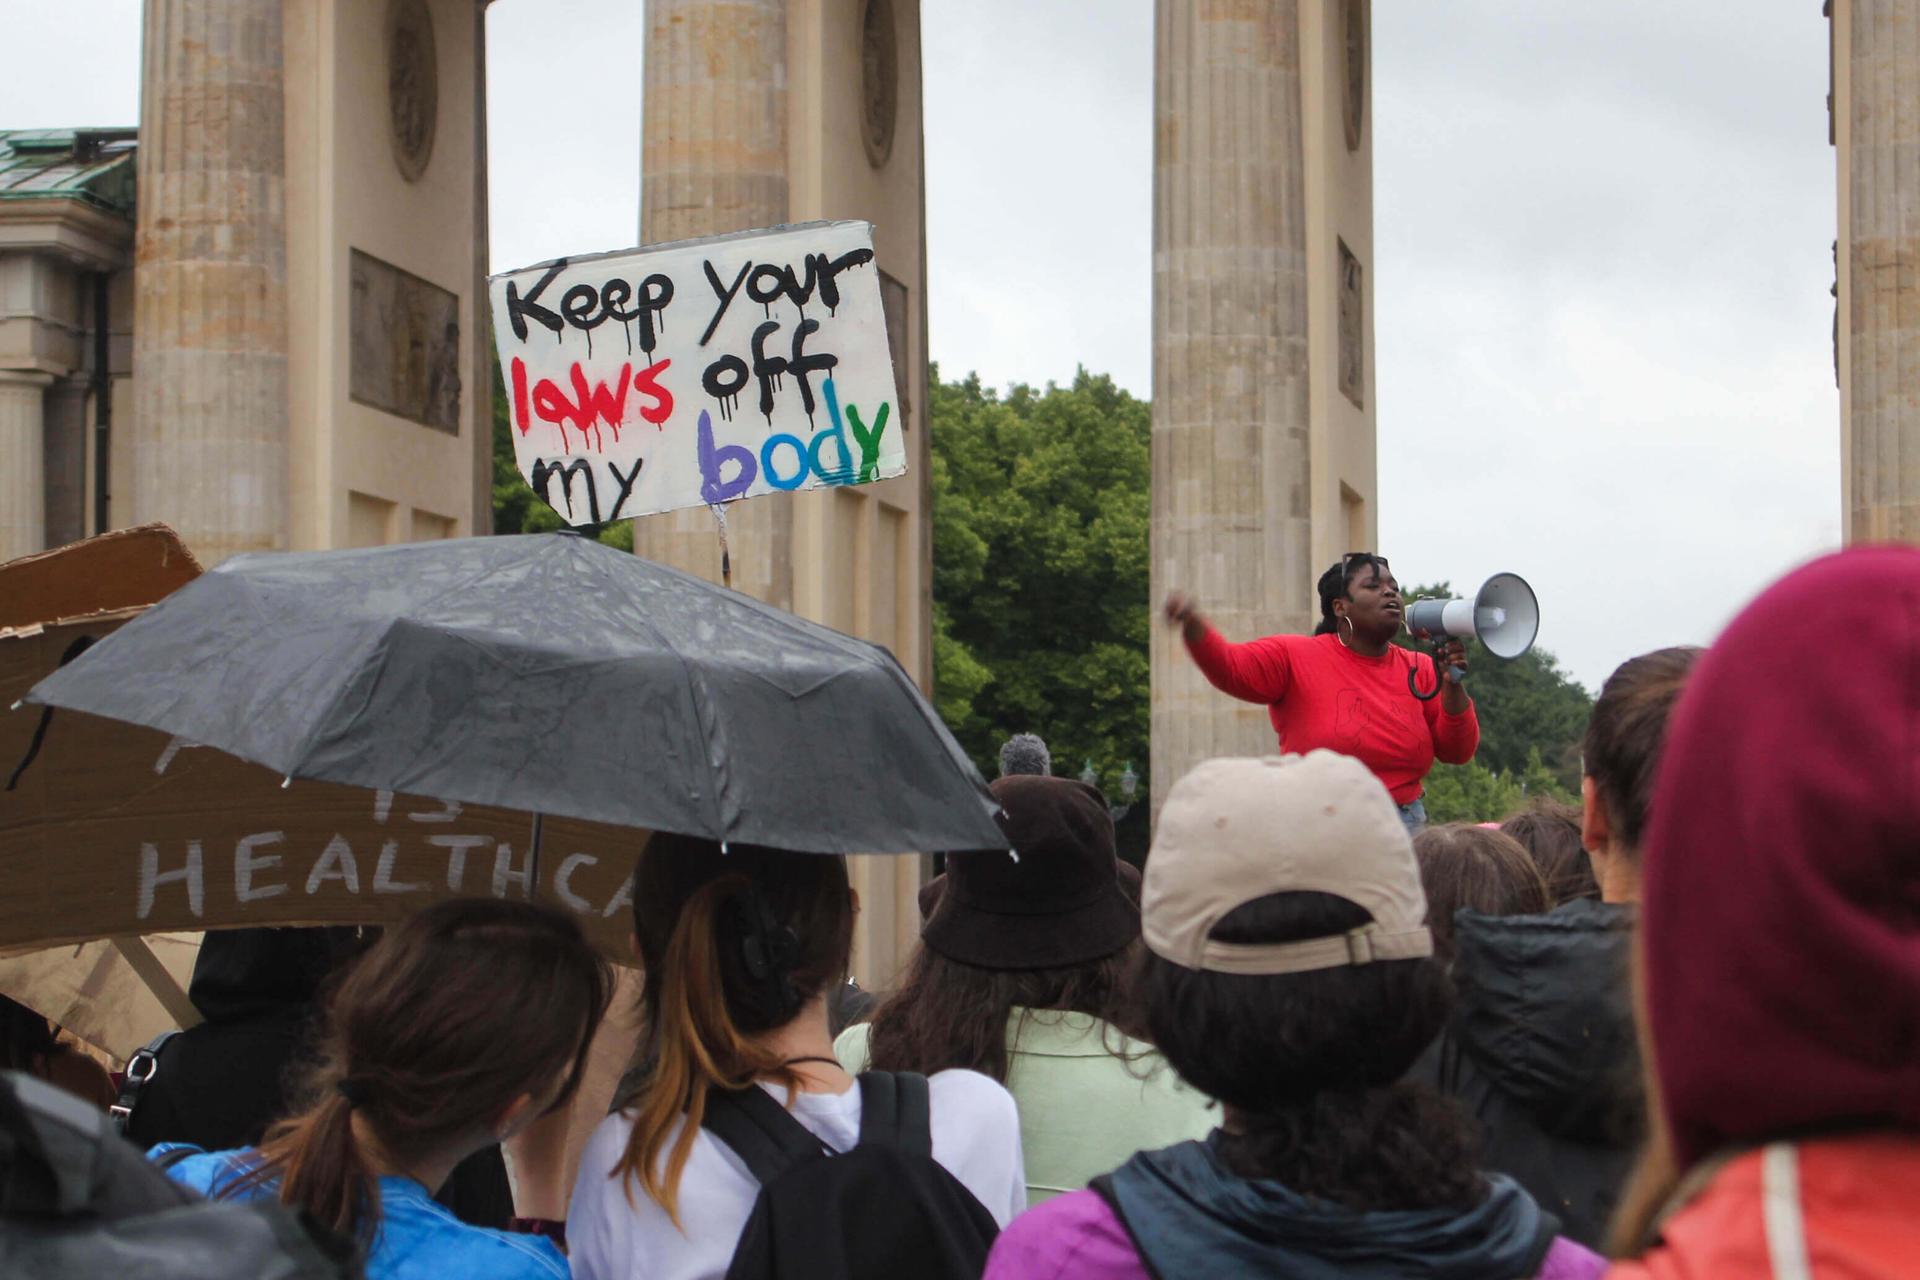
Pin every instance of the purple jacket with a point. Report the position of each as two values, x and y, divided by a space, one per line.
1077 1237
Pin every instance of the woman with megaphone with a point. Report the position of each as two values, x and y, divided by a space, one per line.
1345 687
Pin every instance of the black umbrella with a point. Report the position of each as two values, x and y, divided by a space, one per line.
550 674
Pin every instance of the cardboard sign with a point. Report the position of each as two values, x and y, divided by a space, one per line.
699 372
116 570
115 829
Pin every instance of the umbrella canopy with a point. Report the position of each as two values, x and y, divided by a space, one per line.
550 674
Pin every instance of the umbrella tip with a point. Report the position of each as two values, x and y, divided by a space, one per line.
286 782
1013 853
18 703
723 848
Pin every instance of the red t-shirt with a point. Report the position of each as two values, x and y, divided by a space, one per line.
1322 694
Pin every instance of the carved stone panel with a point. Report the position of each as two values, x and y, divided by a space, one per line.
413 85
1353 329
893 305
879 80
404 344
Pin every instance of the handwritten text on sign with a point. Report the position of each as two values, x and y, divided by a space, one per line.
700 372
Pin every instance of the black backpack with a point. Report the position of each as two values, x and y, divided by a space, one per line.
76 1200
883 1209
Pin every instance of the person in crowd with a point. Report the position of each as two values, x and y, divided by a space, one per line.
1289 974
219 1085
459 1028
1022 975
1477 868
1540 1047
739 949
1550 831
1025 753
29 1044
1779 975
1345 686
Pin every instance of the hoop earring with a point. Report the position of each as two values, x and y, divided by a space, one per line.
1337 633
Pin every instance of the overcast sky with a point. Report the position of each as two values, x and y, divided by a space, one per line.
1602 237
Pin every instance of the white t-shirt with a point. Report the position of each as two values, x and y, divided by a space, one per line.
976 1137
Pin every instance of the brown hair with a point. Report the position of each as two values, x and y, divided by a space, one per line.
946 1014
1463 865
1549 830
441 1025
1655 1181
733 944
1621 751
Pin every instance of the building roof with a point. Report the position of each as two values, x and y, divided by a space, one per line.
90 165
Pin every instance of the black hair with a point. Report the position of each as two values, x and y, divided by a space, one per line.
1314 1064
1336 584
26 1038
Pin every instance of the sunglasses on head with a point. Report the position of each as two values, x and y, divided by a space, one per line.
1364 559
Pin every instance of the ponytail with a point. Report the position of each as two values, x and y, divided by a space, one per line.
732 945
698 1048
451 1017
322 1170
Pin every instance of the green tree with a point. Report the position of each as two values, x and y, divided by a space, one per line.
1040 569
516 507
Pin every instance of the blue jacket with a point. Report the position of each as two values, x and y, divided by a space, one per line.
416 1238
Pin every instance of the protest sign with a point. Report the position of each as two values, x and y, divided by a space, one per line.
699 372
116 829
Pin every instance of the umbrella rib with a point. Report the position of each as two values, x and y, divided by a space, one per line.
721 826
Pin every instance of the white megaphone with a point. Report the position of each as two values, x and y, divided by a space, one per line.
1504 614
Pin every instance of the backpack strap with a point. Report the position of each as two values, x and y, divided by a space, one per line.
141 1068
764 1134
896 1111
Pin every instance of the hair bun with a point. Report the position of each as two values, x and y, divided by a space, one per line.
768 950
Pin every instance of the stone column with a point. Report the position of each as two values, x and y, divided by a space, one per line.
1883 270
1231 516
209 442
65 461
23 499
714 159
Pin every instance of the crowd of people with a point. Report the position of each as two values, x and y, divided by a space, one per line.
1665 1033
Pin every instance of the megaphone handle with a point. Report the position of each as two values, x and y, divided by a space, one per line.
1413 683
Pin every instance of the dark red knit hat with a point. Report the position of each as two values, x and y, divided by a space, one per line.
1781 901
1059 903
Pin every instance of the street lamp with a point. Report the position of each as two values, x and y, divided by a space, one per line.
1129 788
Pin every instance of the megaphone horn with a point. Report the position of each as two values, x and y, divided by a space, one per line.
1504 614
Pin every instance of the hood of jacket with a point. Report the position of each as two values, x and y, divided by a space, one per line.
1780 907
1190 1216
1545 1013
245 973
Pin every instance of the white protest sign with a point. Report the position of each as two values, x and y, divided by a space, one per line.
699 372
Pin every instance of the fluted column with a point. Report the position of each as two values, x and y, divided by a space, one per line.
1231 515
23 510
714 159
209 447
1884 269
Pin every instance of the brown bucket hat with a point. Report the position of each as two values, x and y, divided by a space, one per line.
1058 901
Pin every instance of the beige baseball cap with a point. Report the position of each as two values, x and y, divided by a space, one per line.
1234 830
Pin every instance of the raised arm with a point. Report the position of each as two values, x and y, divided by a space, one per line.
1257 671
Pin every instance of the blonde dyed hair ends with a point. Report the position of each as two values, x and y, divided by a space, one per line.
703 1014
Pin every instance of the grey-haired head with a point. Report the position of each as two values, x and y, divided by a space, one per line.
1025 753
